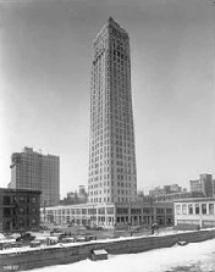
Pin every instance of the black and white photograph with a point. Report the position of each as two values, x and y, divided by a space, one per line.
107 135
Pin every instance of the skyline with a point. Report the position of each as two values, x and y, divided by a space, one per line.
46 54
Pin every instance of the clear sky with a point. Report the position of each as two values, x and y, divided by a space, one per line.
45 60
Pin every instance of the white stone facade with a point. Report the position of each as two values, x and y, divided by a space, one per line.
112 162
191 213
81 214
109 215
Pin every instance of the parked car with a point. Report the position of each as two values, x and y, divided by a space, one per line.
7 243
25 237
68 240
90 237
35 243
56 230
52 240
80 238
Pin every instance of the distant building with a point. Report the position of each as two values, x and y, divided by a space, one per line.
35 171
194 213
165 191
173 188
75 197
19 210
204 184
196 186
82 194
175 196
140 195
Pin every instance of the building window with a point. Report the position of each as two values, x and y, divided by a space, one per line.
6 200
6 212
33 200
197 210
160 211
33 221
169 211
22 199
204 209
211 208
101 210
190 208
184 209
110 210
178 209
21 210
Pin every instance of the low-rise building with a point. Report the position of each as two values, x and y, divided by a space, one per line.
181 195
194 213
110 215
19 210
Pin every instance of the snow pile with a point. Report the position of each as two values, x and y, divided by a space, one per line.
159 260
2 236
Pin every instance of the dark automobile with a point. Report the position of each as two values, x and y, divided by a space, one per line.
89 237
25 237
56 230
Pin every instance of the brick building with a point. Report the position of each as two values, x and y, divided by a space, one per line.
19 210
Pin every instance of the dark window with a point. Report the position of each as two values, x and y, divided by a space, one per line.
169 210
122 210
204 209
6 200
160 211
135 211
197 208
190 208
7 212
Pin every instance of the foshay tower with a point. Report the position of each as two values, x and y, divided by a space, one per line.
112 161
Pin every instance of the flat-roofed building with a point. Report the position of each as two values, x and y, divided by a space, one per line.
34 171
194 213
110 215
19 210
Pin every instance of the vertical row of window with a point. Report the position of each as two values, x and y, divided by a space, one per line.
112 151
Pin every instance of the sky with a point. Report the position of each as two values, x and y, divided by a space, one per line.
45 62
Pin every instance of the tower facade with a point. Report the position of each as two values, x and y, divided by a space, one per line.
112 161
34 171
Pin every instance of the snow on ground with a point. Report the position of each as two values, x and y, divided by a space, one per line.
60 245
192 257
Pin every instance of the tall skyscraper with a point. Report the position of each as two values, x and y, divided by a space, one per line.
112 185
32 170
112 162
